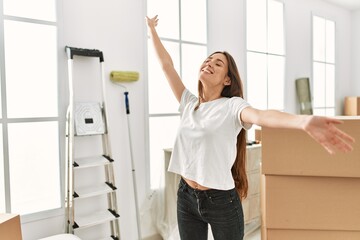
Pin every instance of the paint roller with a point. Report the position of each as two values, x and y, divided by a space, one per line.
124 76
129 76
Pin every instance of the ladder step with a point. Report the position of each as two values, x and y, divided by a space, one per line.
94 190
94 219
93 161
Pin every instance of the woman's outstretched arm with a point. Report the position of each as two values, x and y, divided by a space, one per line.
164 59
322 129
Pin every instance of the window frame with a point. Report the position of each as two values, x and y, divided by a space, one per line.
60 118
324 108
267 54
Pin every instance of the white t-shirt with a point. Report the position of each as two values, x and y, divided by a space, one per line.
205 145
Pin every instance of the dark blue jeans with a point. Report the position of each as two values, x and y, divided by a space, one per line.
221 209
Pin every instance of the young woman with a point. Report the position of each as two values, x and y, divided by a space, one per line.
209 150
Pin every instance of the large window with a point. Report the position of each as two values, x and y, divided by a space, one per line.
265 54
323 66
29 146
183 30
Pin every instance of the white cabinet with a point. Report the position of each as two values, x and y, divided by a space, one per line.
251 205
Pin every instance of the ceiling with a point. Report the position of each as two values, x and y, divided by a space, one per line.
348 4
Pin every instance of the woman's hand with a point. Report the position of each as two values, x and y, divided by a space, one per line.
152 22
324 131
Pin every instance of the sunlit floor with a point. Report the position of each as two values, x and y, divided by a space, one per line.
256 235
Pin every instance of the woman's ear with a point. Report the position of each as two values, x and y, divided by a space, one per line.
227 81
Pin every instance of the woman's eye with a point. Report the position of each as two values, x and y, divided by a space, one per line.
218 65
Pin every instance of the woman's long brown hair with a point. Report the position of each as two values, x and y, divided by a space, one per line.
238 170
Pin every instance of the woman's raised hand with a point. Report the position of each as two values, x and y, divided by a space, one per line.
152 22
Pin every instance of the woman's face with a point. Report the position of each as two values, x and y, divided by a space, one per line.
213 71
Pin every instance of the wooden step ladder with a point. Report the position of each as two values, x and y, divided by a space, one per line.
87 120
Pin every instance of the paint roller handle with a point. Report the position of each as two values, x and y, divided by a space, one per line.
127 105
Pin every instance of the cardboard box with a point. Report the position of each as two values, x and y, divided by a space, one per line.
312 203
10 228
306 193
293 152
263 207
352 106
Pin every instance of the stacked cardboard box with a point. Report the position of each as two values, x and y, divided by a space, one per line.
306 192
352 106
10 228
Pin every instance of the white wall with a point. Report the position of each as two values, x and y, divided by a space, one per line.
355 49
118 29
226 30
